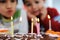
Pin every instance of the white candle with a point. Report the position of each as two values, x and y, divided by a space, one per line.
49 23
12 26
32 25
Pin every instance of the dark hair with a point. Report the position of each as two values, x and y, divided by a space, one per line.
17 1
2 1
23 1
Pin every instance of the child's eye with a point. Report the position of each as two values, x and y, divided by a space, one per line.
12 0
2 1
36 2
28 4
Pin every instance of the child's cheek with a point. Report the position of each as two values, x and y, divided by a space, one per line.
0 10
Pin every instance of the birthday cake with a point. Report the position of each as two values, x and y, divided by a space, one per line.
4 31
28 36
53 33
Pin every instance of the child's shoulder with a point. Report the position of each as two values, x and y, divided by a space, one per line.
51 9
17 14
52 12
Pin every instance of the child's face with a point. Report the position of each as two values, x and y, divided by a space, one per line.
7 7
34 6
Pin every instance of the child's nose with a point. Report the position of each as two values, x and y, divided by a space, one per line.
34 7
8 5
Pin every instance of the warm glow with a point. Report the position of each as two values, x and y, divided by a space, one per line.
38 20
58 38
32 19
20 19
11 18
49 16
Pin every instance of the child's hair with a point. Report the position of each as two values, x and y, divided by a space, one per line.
5 0
23 1
17 1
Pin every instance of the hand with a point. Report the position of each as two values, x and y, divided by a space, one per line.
44 13
30 16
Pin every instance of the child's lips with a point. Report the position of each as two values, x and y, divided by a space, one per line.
37 11
9 12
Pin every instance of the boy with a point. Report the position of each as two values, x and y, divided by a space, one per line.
8 9
36 9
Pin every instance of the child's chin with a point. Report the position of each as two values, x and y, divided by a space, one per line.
8 16
36 14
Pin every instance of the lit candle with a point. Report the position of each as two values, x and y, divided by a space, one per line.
12 26
38 26
49 22
32 25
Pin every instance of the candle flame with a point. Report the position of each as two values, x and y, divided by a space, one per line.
38 20
32 19
49 16
11 18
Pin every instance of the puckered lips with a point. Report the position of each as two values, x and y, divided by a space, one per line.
10 12
36 12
